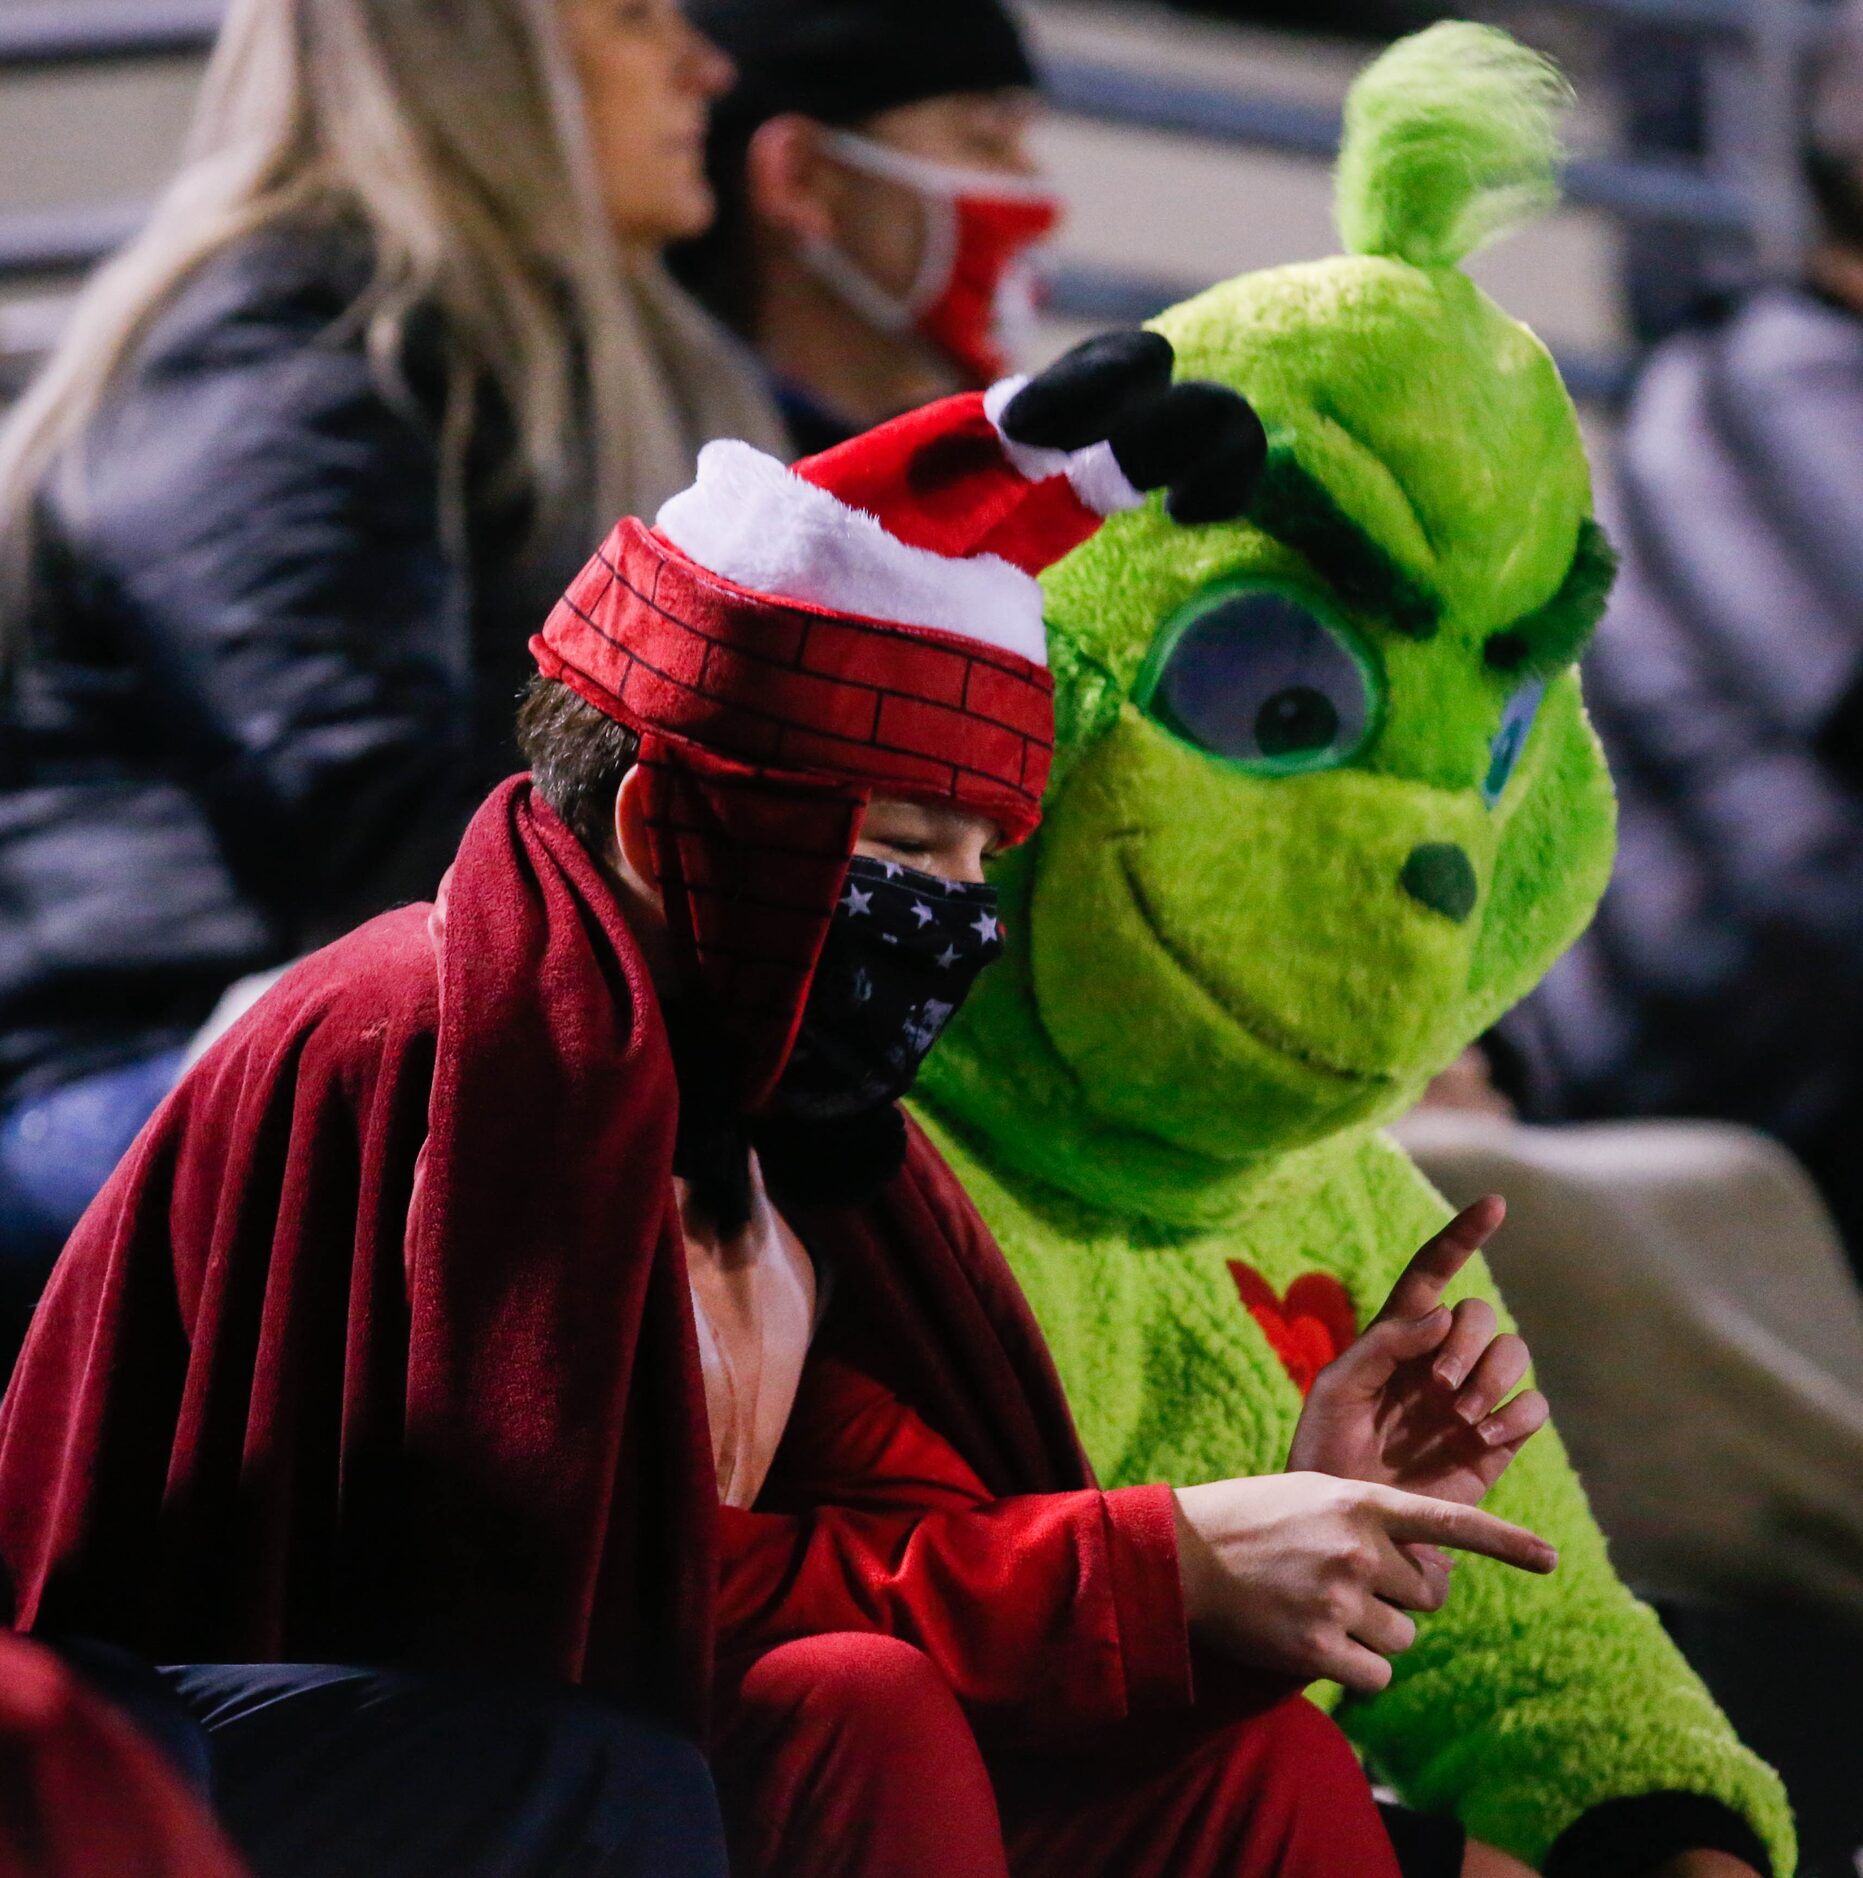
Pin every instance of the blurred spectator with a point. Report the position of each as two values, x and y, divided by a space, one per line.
877 200
1724 975
314 459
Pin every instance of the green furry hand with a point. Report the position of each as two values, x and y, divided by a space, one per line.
1415 1403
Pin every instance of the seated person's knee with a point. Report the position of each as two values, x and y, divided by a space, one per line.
871 1683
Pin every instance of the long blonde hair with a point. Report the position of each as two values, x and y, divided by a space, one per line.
453 132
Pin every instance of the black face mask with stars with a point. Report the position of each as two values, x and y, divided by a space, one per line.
902 952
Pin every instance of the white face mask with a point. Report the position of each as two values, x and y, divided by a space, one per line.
974 296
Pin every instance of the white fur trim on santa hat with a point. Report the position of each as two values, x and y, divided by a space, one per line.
753 521
1094 472
1100 483
1030 460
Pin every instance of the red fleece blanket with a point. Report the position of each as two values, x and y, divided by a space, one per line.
275 1406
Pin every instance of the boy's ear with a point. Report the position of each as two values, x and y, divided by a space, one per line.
785 173
632 841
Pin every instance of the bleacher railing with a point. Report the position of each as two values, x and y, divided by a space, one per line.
1749 190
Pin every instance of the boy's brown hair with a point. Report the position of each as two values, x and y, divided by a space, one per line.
577 757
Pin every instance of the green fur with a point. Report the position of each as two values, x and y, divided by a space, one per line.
1556 634
1299 509
1217 989
1451 139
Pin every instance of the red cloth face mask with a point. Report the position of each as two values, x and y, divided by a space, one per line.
974 298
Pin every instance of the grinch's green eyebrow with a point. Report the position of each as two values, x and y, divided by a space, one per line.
1553 635
1295 507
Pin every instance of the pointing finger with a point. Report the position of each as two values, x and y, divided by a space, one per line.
1466 1528
1420 1287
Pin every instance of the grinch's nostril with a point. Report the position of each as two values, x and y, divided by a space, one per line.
1438 874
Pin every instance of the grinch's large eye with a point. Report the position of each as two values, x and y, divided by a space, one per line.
1511 738
1256 676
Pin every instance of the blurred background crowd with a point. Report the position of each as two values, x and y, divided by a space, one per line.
286 486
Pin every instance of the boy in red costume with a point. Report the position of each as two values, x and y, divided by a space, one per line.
545 1284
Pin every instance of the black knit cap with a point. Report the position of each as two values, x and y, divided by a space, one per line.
841 61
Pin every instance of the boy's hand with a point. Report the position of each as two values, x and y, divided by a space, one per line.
1305 1575
1416 1402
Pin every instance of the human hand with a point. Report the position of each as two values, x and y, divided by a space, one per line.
1467 1084
1311 1576
1485 1861
1415 1402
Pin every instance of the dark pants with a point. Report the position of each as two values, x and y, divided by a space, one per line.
322 1772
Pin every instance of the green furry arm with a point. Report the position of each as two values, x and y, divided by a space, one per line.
1527 1701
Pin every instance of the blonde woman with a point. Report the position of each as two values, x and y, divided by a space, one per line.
316 455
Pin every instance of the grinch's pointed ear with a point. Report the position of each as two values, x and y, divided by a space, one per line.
1451 139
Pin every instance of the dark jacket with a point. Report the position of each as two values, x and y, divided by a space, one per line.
1724 974
258 699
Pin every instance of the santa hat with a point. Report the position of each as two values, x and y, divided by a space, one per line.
871 612
790 641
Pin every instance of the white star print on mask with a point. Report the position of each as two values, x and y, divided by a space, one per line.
898 958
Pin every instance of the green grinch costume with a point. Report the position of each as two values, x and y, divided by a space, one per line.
1325 804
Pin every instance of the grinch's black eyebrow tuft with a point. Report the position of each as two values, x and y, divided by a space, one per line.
1554 635
1295 507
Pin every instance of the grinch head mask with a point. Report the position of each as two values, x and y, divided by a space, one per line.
1325 801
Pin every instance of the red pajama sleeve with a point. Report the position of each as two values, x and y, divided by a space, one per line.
1052 1610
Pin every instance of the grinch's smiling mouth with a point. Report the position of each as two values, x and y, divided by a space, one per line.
1261 1031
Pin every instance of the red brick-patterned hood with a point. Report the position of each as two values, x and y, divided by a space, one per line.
653 639
766 725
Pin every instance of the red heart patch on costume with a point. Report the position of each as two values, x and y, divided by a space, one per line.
1306 1329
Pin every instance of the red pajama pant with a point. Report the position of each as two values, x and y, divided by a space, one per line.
923 1680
